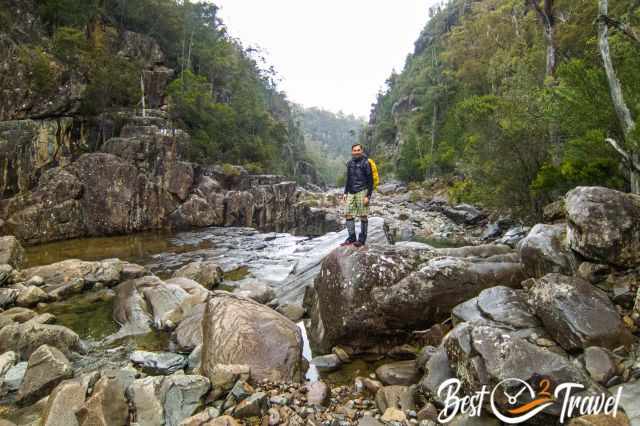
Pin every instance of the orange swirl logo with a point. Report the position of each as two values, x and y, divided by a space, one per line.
521 413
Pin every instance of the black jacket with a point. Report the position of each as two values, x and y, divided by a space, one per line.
359 176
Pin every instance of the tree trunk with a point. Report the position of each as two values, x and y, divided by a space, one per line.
144 109
622 111
548 21
434 124
549 32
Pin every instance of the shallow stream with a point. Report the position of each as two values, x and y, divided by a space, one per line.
243 253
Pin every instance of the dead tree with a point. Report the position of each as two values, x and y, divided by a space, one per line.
630 156
545 13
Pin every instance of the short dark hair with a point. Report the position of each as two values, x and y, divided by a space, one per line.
357 144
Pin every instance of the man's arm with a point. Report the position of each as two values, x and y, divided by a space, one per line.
369 174
346 184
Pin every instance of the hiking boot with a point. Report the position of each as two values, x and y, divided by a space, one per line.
351 230
362 239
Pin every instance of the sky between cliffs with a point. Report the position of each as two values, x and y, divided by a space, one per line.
334 54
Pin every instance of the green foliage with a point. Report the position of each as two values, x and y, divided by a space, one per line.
219 131
112 82
75 13
328 140
223 93
474 100
230 170
36 60
69 45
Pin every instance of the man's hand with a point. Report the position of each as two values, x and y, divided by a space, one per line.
366 201
344 198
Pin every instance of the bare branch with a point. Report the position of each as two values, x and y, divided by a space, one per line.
624 154
625 29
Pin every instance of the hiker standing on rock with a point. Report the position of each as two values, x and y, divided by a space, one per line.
357 195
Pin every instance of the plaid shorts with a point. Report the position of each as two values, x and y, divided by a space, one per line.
355 204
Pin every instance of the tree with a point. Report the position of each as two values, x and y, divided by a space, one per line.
546 14
630 155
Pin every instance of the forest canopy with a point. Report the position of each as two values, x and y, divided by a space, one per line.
223 93
511 97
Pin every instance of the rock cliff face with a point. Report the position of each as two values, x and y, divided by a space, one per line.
66 175
137 182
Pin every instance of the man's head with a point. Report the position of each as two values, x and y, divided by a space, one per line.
357 151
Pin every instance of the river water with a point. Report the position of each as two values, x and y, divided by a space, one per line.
243 253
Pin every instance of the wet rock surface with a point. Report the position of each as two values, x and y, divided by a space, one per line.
545 250
46 368
602 225
379 317
11 252
240 331
577 314
384 292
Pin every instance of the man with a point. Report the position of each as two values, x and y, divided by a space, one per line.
357 194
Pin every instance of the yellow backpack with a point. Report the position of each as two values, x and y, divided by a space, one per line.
374 172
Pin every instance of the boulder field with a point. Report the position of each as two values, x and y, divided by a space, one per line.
551 307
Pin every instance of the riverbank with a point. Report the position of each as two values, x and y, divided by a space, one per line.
231 325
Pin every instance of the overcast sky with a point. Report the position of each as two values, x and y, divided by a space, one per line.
334 54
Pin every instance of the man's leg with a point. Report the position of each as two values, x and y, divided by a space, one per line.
350 220
351 229
363 211
364 225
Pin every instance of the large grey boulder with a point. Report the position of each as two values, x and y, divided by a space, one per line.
15 315
485 354
545 250
261 292
240 331
161 363
13 378
67 398
149 301
108 405
629 400
341 302
396 396
7 360
167 400
130 309
603 225
8 297
364 297
399 373
188 334
26 338
437 371
576 313
58 275
46 369
502 305
207 273
11 252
